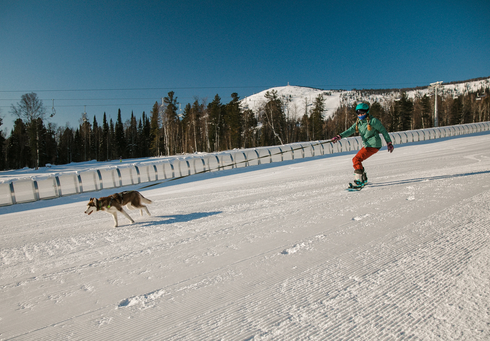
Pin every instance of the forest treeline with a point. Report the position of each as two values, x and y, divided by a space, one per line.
211 127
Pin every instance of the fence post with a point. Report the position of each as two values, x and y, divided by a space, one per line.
203 164
282 154
258 157
118 176
292 152
323 148
58 185
12 192
137 177
246 159
173 170
80 184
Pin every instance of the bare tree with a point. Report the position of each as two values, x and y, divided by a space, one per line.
30 110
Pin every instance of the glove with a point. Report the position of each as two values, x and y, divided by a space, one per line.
390 147
336 138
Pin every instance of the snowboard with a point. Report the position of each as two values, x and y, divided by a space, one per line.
355 188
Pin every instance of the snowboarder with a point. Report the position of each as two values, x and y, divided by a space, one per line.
369 129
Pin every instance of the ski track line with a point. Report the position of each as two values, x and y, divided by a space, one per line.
448 265
401 291
464 250
274 322
194 328
92 265
337 332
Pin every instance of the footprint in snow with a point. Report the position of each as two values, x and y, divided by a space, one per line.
361 217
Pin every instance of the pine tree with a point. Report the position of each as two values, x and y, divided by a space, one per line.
113 154
199 125
85 138
249 130
65 146
316 118
233 121
456 112
18 150
132 137
47 144
105 141
188 136
144 136
215 122
95 140
77 147
155 135
405 107
171 125
119 140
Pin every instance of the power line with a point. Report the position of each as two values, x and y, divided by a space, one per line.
89 105
88 99
331 86
140 89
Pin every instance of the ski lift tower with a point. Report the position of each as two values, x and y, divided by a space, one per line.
435 86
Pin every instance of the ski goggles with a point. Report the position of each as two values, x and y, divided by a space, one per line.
361 112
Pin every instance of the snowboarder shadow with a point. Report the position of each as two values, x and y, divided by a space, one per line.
429 178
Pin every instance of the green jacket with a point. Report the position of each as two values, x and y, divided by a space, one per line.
370 138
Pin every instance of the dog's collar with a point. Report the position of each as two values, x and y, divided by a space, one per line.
98 204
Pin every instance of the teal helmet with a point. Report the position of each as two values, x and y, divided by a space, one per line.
363 107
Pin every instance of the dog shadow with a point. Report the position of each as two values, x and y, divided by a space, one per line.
180 218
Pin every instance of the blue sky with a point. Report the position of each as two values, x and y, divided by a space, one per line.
100 56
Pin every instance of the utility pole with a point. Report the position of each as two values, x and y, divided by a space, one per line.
53 110
435 86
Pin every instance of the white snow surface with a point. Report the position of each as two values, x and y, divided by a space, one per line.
273 252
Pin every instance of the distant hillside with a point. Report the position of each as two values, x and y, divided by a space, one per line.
297 98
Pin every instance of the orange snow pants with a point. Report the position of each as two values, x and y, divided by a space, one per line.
362 155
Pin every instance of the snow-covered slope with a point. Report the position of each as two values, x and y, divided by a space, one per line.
273 252
297 98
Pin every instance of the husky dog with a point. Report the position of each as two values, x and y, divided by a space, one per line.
114 203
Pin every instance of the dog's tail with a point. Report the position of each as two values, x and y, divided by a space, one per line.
145 200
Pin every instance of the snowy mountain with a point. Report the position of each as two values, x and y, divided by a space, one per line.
297 98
